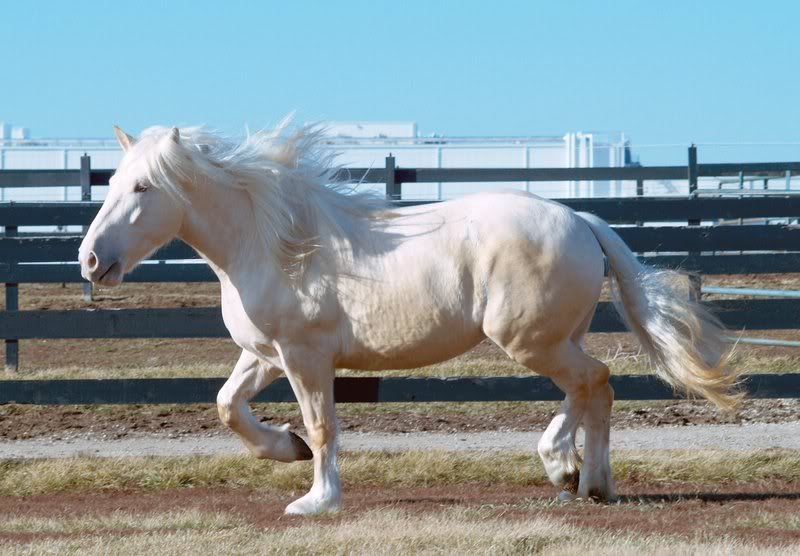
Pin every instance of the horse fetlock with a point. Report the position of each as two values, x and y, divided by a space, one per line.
596 484
563 474
562 467
569 482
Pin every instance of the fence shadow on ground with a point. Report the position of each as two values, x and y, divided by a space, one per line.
706 497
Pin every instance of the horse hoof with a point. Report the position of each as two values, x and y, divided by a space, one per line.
566 496
301 449
310 505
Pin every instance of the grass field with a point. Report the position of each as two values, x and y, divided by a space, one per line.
381 469
389 531
681 502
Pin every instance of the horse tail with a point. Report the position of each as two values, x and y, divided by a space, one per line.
685 343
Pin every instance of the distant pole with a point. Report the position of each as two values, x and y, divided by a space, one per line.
86 195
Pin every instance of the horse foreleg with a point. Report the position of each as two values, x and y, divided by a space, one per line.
249 377
313 387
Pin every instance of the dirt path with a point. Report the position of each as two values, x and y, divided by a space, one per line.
717 437
22 422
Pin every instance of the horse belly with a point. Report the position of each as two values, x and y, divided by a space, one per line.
396 348
405 328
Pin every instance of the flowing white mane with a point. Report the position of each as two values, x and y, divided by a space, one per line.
300 206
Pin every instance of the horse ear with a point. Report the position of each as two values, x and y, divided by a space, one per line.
175 135
125 141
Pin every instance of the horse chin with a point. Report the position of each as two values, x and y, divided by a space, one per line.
113 276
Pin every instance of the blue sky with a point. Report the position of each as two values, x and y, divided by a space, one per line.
663 72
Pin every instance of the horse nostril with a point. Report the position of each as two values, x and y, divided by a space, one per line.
91 261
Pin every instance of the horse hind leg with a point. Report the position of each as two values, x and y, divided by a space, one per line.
585 382
582 379
556 447
595 479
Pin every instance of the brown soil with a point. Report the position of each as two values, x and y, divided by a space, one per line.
18 422
689 511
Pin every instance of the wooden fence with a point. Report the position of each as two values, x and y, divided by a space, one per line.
758 248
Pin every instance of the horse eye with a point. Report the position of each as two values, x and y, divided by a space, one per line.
140 187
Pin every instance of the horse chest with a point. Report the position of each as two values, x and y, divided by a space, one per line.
247 324
257 320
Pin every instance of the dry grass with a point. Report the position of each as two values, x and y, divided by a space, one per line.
381 469
767 520
392 531
89 372
176 520
620 363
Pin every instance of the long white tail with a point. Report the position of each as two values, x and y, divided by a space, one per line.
685 343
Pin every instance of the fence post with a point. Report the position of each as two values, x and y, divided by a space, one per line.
86 195
695 279
392 187
639 194
12 304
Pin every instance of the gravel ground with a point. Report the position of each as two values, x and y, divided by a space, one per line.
759 436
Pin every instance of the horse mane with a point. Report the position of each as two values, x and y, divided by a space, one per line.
300 205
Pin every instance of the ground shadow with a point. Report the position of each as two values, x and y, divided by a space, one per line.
707 497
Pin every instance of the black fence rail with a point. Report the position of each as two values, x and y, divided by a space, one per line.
359 390
683 243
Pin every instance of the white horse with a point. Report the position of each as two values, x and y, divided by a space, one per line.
315 277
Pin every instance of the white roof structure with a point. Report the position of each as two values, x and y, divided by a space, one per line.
366 144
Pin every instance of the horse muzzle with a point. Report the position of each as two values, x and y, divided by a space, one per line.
106 272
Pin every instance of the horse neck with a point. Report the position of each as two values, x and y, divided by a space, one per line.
219 224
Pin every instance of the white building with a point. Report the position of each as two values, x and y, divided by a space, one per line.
366 144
